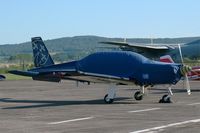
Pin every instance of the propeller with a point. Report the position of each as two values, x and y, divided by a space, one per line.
184 70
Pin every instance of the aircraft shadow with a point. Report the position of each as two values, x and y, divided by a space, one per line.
54 103
163 91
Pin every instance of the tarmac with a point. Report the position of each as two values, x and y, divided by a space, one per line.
28 106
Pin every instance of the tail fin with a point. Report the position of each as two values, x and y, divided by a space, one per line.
40 53
166 59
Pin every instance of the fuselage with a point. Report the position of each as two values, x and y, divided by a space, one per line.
123 65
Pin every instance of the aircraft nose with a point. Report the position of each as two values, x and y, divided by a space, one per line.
185 69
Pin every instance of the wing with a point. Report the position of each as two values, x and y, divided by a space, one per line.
71 74
102 78
139 47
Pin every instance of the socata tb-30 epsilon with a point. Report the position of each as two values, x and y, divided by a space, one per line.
113 68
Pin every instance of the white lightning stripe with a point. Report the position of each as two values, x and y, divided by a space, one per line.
166 126
73 120
144 110
102 75
194 104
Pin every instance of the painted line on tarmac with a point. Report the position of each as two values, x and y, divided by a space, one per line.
194 104
144 110
72 120
166 126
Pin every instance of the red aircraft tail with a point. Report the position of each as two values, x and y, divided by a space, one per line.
193 75
166 59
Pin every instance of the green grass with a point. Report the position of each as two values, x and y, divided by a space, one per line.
15 77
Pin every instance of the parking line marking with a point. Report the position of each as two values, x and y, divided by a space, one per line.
144 110
166 126
194 104
72 120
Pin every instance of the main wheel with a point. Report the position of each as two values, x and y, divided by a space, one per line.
108 100
138 95
165 99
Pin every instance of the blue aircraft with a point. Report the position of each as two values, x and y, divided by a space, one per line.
2 77
113 68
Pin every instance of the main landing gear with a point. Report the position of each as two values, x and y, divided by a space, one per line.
109 98
139 94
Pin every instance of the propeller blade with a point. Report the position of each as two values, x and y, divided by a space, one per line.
185 70
187 84
181 55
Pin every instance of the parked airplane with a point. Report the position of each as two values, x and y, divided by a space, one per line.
2 77
194 74
191 49
113 68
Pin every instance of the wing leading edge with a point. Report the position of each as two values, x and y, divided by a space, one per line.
140 47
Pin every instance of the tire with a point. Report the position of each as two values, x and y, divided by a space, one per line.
138 96
165 99
108 100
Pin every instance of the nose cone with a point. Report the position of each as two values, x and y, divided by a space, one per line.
185 69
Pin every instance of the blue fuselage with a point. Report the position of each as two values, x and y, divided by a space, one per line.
124 65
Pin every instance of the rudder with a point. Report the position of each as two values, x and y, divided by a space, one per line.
41 55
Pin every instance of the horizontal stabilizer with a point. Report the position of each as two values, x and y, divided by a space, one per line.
2 77
37 75
24 73
49 78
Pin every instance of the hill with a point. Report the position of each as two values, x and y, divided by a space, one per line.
69 48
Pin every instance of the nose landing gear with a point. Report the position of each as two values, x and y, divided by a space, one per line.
167 98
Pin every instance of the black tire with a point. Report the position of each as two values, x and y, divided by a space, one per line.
161 101
138 96
107 100
165 99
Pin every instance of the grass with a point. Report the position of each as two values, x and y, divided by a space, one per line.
15 77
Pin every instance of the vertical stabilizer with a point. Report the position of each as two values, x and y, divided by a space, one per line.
40 53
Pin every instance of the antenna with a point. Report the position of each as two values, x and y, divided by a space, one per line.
152 41
125 40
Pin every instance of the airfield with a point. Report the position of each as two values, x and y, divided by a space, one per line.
41 107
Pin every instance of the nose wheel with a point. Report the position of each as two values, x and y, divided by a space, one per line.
165 99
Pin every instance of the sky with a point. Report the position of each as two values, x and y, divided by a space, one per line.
22 19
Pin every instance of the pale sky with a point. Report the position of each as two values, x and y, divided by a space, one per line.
22 19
